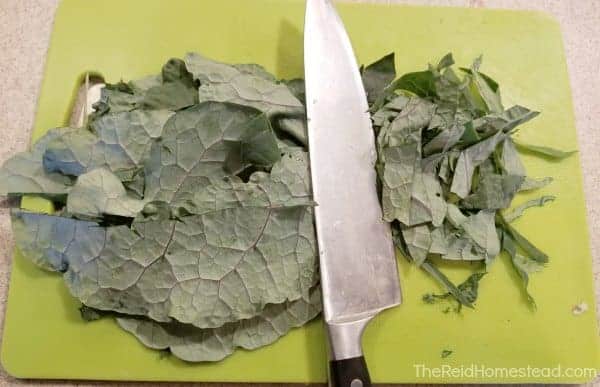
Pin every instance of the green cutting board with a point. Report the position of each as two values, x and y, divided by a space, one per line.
44 336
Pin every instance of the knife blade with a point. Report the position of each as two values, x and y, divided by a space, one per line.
358 266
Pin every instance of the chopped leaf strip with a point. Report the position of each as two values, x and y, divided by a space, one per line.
528 248
468 290
530 184
511 163
446 283
418 242
448 165
523 266
518 211
494 191
544 151
490 97
468 160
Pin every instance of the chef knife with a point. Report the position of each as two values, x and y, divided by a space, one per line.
359 277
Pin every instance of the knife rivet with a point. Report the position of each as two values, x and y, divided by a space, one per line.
356 383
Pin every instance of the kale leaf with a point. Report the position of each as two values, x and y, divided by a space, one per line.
186 208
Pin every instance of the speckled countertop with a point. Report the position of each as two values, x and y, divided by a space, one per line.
25 27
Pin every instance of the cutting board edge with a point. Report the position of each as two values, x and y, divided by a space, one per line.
6 361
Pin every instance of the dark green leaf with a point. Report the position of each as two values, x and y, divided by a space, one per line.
421 83
177 90
296 87
470 287
491 83
377 76
90 314
446 61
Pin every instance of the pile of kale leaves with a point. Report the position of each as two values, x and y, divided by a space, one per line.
448 168
183 206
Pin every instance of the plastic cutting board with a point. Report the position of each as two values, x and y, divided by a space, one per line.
45 338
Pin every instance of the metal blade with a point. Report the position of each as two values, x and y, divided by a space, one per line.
358 265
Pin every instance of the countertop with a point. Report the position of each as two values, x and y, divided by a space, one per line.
25 27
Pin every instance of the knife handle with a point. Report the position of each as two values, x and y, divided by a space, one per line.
350 372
